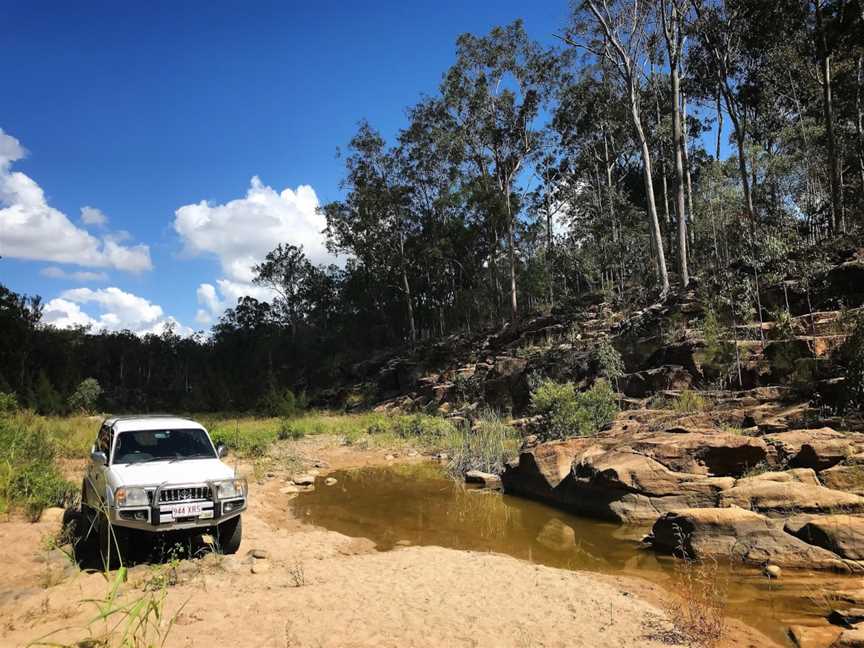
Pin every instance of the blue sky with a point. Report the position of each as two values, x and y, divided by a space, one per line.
138 109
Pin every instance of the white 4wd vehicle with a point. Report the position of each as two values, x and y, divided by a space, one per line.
156 474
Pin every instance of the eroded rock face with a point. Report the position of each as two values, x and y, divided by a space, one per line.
788 498
737 534
840 534
817 449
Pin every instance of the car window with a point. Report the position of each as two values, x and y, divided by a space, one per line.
162 445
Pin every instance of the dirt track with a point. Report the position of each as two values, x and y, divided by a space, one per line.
320 588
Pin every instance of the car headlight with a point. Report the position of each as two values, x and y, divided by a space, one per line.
231 488
131 497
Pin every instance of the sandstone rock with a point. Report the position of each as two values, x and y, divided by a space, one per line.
258 554
330 481
853 638
849 478
486 480
649 381
772 571
710 452
303 479
289 489
53 515
260 567
813 637
818 449
389 457
557 536
842 534
783 498
737 534
799 475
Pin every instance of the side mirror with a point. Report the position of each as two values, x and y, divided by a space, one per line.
97 456
221 450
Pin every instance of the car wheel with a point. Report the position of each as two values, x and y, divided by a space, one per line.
229 535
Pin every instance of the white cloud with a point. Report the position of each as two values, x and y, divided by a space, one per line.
241 232
31 229
117 310
53 272
93 216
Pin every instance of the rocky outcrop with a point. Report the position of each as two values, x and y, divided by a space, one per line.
737 534
782 499
817 449
841 534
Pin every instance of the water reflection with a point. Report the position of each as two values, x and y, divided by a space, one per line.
416 504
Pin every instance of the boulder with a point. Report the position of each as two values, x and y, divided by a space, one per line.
53 515
707 452
847 618
849 478
785 498
798 475
853 638
842 534
813 636
303 479
542 468
736 534
817 449
484 479
557 536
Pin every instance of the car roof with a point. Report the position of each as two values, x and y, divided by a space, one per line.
150 422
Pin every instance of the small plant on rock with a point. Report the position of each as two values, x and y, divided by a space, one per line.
567 412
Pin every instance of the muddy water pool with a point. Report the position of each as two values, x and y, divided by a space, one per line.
417 504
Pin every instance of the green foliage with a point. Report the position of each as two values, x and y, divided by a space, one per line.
609 360
567 412
689 402
281 403
46 398
421 426
84 397
29 476
783 326
8 403
287 430
488 445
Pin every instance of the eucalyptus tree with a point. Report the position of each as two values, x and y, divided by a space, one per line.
495 92
372 222
618 33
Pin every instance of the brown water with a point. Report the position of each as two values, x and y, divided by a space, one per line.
417 504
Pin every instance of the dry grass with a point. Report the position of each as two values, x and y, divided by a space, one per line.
698 609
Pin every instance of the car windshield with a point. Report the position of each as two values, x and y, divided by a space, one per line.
162 445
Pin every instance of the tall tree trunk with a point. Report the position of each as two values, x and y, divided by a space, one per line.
511 244
828 116
679 176
690 213
406 288
859 115
649 191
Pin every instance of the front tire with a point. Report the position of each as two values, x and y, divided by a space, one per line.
229 535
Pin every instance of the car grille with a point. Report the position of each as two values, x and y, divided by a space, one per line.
185 494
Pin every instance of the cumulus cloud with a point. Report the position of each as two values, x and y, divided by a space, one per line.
117 310
53 272
93 216
31 229
241 232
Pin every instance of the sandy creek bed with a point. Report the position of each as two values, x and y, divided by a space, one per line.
335 579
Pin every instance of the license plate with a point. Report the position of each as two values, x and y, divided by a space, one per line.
186 510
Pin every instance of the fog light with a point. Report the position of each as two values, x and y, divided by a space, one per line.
141 515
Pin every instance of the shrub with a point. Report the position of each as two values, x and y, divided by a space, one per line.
609 360
690 402
84 397
8 403
487 446
421 426
281 403
29 476
783 326
46 400
567 412
287 430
